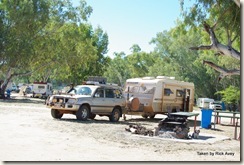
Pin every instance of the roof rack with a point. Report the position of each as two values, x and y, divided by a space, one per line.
99 79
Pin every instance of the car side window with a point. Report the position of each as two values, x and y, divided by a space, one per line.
109 93
99 93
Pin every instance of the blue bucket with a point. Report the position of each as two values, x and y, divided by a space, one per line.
206 118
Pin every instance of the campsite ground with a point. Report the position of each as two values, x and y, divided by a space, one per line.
29 133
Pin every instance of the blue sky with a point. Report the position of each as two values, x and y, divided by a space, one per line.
129 22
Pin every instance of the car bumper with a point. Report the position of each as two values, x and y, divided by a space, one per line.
64 107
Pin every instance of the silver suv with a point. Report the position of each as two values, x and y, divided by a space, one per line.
87 101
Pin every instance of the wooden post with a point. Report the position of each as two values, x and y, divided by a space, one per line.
195 123
235 133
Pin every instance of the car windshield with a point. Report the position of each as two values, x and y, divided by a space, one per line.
81 90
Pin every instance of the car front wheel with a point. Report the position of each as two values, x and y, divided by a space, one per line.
56 114
82 113
114 117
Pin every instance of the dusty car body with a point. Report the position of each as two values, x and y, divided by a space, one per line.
87 101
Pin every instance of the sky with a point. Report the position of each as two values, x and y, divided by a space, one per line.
129 22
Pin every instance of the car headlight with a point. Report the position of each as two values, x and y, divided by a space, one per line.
71 101
54 100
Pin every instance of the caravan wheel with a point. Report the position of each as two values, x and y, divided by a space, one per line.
145 116
152 116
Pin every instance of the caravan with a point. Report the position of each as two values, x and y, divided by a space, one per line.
149 96
42 89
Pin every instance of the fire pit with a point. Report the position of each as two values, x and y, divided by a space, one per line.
176 125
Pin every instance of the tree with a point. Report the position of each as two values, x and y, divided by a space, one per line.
225 17
139 63
118 69
175 59
33 33
20 25
230 95
135 48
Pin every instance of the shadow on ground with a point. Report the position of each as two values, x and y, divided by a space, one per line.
23 100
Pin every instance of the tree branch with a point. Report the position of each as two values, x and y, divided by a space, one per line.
202 47
223 72
227 50
237 2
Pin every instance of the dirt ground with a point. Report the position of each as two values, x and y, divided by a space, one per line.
29 133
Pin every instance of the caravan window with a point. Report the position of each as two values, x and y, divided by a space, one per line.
167 92
41 87
134 89
179 93
140 89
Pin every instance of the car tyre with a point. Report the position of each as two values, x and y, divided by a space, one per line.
82 113
92 116
56 114
114 117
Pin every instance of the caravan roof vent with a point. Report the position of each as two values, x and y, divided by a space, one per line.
165 77
148 78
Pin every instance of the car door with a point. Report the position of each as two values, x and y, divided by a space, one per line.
110 99
98 101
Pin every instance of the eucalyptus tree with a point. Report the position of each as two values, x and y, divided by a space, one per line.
21 24
31 34
221 20
175 59
118 69
139 62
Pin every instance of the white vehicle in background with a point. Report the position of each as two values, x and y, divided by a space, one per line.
42 89
11 86
215 105
204 102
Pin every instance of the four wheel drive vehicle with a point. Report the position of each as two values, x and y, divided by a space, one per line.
215 105
87 101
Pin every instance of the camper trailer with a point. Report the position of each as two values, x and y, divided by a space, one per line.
42 89
149 96
204 102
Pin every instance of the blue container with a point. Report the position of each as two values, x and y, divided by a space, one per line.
206 118
223 106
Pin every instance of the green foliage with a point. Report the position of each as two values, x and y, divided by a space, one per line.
230 95
118 69
50 40
225 14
